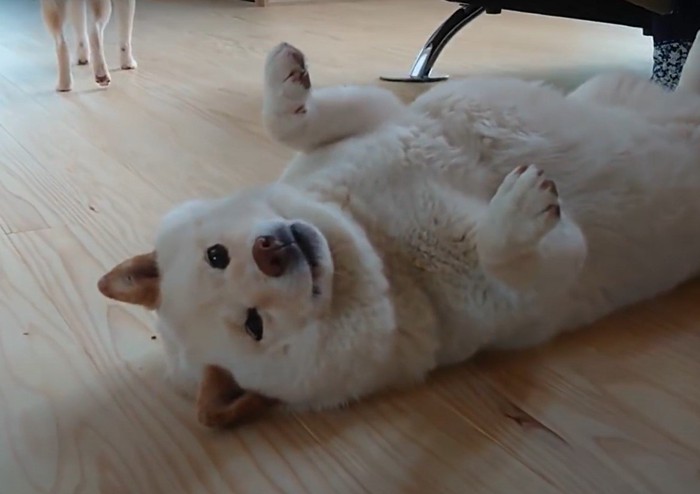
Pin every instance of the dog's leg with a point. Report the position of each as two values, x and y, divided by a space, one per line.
525 240
101 11
304 119
125 17
54 13
79 19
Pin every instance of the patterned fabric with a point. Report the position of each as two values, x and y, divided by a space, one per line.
669 58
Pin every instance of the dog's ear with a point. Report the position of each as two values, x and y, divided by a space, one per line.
134 281
221 403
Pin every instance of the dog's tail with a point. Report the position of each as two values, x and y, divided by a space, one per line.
690 77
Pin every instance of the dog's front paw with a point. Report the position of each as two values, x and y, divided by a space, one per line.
64 85
82 53
102 77
524 209
286 76
128 62
65 80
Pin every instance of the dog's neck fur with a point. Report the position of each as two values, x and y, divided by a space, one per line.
358 274
361 291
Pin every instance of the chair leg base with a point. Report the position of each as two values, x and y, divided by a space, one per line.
423 65
426 79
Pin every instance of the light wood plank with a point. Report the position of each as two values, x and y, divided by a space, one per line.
84 178
622 392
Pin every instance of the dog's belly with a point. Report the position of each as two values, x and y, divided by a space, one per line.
420 188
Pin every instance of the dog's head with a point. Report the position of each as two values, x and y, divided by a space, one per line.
247 280
242 259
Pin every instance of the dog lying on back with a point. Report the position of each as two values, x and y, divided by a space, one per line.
491 213
89 41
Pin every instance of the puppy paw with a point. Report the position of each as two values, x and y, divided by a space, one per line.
82 53
103 80
102 77
128 62
524 209
65 84
129 65
287 78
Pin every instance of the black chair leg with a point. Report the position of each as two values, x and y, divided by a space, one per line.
423 65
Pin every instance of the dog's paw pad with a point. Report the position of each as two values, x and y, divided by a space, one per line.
103 80
286 73
83 61
301 78
128 62
550 186
553 210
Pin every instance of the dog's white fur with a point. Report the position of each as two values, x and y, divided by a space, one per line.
434 242
89 42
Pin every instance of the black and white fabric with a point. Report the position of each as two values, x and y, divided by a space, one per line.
669 58
673 36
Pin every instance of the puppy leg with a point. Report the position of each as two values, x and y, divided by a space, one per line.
125 17
525 240
101 11
79 19
54 13
304 119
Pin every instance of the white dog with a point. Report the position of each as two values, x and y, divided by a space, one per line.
55 12
402 238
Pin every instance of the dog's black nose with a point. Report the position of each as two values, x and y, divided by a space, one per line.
273 254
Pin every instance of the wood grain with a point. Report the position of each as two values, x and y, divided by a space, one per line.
84 178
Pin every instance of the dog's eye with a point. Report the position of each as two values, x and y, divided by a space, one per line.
217 256
254 325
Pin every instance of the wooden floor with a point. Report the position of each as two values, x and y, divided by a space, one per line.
85 176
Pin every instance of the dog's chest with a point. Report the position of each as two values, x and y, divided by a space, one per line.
421 218
425 236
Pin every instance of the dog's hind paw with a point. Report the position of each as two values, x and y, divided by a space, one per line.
287 77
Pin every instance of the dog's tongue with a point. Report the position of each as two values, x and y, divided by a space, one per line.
221 403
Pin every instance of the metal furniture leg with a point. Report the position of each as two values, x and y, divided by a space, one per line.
423 65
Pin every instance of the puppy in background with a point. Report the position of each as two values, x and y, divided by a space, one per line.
89 42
